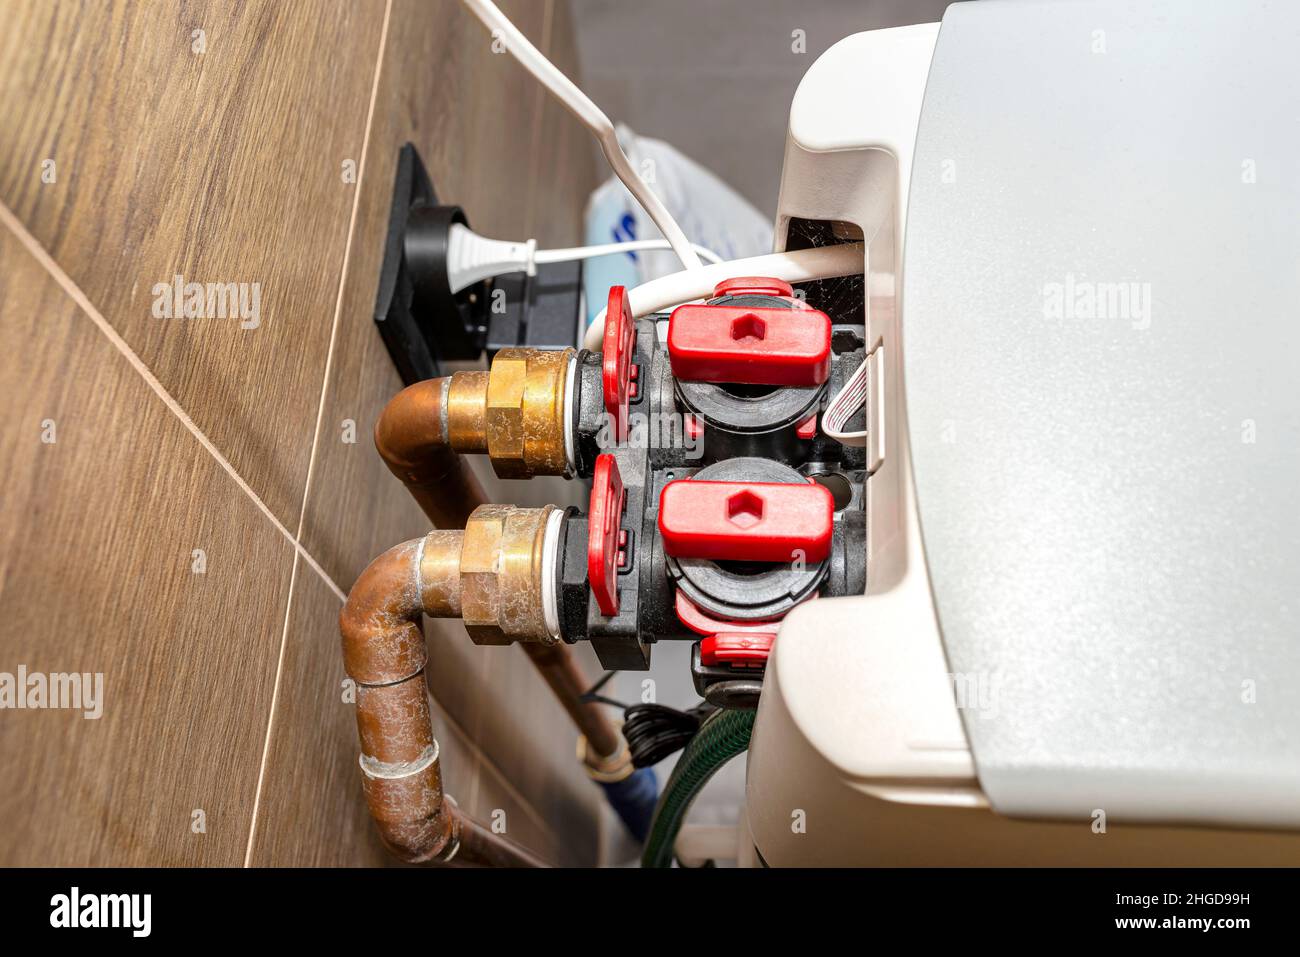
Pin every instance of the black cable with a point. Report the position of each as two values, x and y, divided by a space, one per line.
655 731
652 731
601 699
593 693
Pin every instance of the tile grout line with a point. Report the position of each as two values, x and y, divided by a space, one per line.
56 272
320 418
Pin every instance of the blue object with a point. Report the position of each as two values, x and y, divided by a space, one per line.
634 799
608 222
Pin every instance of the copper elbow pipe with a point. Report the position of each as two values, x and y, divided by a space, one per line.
384 653
514 413
412 438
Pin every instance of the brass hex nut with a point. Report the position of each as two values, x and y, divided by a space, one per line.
525 412
501 575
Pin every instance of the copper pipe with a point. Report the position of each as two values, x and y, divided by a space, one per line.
479 845
467 405
515 413
412 438
384 653
419 435
566 679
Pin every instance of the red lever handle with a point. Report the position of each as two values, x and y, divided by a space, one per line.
746 521
754 286
743 344
604 519
617 347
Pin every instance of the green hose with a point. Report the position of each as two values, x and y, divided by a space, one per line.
722 736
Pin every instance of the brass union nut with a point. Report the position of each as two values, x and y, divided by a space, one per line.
525 412
501 575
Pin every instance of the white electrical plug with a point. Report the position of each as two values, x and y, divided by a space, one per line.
472 258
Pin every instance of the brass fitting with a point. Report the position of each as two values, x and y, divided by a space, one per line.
467 412
525 422
515 413
502 580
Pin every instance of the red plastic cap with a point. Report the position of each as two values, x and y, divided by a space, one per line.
789 347
739 650
807 429
604 518
616 358
746 521
753 286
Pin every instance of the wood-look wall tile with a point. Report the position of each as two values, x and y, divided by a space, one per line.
125 550
499 803
135 156
470 112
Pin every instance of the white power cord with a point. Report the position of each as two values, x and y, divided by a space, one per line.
471 257
800 265
613 249
581 106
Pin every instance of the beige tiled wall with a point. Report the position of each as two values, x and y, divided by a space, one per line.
223 688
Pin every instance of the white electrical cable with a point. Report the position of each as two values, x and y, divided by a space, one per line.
581 106
800 265
613 249
472 258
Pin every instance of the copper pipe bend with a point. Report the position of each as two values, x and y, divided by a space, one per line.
412 438
384 653
515 413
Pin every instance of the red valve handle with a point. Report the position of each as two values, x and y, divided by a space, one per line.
736 643
604 518
616 358
702 623
746 521
737 650
750 345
